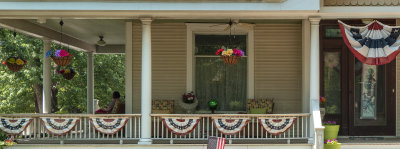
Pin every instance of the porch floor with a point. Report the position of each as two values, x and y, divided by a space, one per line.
370 140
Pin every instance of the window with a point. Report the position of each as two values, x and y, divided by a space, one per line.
216 80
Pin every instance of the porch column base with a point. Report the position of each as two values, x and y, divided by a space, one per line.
144 141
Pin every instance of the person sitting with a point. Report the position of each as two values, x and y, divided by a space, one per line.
113 106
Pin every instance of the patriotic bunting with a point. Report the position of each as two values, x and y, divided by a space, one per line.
14 126
373 44
276 126
108 125
59 126
180 125
230 126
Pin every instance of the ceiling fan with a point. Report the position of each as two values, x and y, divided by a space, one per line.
234 24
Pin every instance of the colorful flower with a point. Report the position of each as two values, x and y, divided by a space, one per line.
219 51
61 53
49 53
11 60
224 53
61 71
4 62
67 71
229 52
20 62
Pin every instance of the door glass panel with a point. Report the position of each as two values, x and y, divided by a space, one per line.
332 81
369 95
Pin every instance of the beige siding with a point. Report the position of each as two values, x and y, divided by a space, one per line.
278 66
168 62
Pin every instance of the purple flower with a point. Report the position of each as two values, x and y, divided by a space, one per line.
57 54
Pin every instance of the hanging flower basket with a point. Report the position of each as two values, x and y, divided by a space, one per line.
60 57
68 73
230 56
230 60
15 64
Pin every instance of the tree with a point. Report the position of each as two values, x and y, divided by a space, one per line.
21 92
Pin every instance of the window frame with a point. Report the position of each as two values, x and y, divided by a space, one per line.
193 29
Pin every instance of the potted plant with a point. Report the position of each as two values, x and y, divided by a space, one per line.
68 73
331 130
60 57
332 144
14 63
213 104
322 101
189 102
230 56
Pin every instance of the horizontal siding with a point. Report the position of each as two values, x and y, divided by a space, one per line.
277 65
168 62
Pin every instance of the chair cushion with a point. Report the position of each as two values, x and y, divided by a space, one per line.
258 110
260 103
162 106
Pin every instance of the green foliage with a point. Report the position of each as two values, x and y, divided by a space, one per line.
17 93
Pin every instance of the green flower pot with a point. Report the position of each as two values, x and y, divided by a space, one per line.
331 131
332 146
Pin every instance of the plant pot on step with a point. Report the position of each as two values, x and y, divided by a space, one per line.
332 146
62 61
331 131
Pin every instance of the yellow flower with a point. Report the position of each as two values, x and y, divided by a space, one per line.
67 71
11 61
229 52
224 53
20 62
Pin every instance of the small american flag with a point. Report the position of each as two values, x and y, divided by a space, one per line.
216 143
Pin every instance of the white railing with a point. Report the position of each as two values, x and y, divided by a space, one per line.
253 130
82 131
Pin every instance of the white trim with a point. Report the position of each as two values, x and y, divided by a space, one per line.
306 65
217 29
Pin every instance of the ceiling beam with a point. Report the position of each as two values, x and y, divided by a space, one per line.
38 31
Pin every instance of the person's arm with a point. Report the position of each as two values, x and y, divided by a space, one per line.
110 106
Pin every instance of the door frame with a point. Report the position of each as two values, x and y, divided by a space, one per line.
345 119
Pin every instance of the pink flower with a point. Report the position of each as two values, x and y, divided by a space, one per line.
63 53
219 51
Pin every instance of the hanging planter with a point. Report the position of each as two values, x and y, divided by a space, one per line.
15 64
60 57
230 56
68 73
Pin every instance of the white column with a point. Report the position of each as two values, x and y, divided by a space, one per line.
46 100
306 66
128 68
316 130
146 82
90 83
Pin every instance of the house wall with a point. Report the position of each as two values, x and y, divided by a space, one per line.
277 71
277 63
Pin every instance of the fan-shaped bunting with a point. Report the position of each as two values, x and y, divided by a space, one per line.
107 125
14 126
180 125
230 126
276 126
373 44
59 126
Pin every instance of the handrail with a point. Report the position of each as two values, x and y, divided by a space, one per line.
236 115
69 115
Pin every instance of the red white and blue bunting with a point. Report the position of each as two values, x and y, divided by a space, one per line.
14 126
107 125
59 126
373 44
230 126
276 126
180 125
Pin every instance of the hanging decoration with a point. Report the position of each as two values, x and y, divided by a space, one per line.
68 73
373 44
107 125
230 56
230 126
61 57
180 125
14 126
59 126
13 63
276 126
